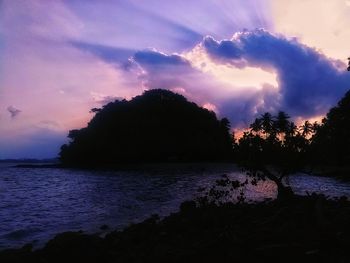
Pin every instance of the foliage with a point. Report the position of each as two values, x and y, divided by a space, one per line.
224 190
331 143
154 127
273 148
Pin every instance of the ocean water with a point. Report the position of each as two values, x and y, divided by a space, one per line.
36 204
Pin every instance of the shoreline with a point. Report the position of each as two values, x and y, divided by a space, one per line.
311 228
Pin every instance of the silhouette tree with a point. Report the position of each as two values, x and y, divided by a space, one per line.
291 130
281 124
307 128
272 148
349 64
331 142
266 123
158 126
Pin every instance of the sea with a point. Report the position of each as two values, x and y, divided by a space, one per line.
38 203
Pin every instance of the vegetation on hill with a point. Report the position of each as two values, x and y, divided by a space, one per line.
331 142
157 126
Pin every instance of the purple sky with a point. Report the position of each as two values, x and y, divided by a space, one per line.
239 58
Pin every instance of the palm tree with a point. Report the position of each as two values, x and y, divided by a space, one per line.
292 129
315 127
256 126
282 123
267 123
306 128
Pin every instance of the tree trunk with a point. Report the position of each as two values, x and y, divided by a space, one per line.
283 192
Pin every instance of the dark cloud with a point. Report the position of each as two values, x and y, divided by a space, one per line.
224 48
163 71
152 58
149 59
242 109
309 82
13 111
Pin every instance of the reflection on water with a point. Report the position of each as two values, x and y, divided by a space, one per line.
35 204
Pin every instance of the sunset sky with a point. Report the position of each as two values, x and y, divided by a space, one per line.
239 58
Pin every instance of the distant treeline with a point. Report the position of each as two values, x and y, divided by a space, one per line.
331 141
161 126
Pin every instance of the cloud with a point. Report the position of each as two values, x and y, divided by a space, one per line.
173 72
159 70
13 111
200 81
254 72
154 58
309 82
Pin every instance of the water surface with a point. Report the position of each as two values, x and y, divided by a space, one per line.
35 204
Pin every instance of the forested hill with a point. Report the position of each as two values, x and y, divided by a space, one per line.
157 126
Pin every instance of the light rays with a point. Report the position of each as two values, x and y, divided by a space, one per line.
232 77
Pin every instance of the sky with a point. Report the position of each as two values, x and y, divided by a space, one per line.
238 58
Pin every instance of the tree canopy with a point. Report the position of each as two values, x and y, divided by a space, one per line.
156 126
331 143
273 148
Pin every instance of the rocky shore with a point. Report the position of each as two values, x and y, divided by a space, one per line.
303 229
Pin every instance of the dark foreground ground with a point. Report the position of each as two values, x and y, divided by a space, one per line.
304 229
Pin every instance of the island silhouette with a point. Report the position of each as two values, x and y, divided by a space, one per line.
157 126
